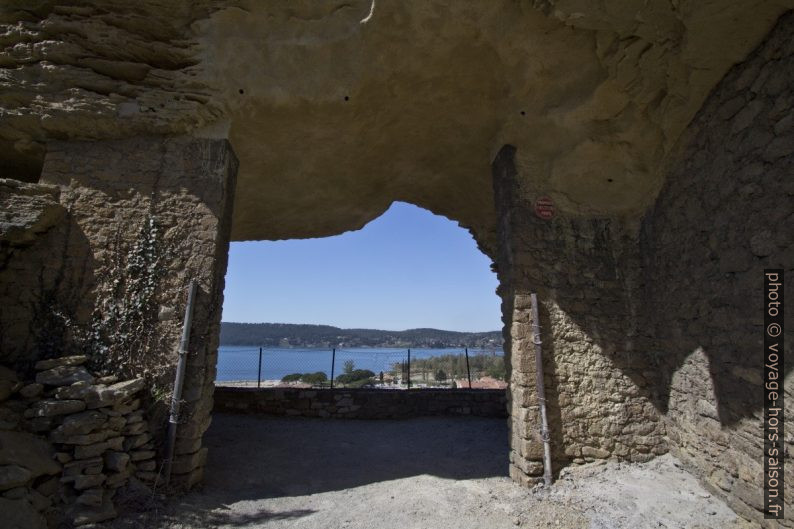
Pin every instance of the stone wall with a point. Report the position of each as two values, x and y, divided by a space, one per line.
725 213
586 274
362 403
69 441
140 219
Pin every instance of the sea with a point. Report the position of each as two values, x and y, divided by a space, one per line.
243 362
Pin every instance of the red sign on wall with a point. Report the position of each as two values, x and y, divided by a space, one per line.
544 208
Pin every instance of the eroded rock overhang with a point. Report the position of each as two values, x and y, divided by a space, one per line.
335 109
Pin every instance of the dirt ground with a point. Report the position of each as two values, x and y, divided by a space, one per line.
420 473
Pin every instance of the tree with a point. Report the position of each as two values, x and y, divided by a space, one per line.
440 375
349 366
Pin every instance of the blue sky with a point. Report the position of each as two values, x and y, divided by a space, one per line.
408 268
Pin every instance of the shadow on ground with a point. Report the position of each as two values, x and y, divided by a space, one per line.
255 457
271 457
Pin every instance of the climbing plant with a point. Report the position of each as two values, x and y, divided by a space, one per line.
122 333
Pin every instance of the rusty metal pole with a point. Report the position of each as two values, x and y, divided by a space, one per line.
176 397
544 424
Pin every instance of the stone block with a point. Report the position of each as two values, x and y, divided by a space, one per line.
20 514
31 391
13 476
52 408
116 461
91 497
81 423
28 451
64 361
81 482
64 376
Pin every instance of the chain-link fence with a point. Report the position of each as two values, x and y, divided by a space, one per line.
354 368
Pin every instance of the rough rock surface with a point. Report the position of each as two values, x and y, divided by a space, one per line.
335 112
27 210
79 459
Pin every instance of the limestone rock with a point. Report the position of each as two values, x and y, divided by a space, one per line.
81 423
38 500
87 481
13 476
76 360
84 466
36 209
178 67
28 451
116 461
64 376
51 408
91 497
78 390
102 396
19 514
31 391
140 455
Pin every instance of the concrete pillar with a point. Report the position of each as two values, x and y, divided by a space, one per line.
164 202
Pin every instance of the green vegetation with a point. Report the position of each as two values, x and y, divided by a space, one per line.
316 379
311 336
356 378
444 367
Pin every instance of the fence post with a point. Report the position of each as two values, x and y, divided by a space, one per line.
409 369
259 373
468 369
333 361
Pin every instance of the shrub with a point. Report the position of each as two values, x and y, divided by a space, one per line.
314 378
354 376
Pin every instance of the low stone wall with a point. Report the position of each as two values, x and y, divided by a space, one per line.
362 403
69 440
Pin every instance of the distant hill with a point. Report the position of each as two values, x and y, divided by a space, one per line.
293 335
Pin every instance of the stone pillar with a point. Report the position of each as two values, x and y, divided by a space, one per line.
586 273
155 213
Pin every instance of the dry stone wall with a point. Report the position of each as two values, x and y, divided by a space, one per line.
69 440
725 214
362 403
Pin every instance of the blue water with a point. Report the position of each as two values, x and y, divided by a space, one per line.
242 362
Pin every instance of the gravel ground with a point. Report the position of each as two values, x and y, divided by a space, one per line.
419 473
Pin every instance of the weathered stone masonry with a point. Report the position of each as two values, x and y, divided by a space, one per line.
362 403
586 276
652 330
725 214
178 191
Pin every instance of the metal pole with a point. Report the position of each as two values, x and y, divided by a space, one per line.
544 424
176 398
409 369
468 369
259 374
333 361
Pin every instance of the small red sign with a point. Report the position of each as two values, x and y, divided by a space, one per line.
544 208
